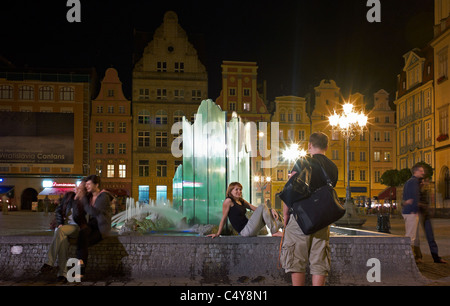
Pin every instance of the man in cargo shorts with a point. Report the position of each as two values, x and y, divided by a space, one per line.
298 248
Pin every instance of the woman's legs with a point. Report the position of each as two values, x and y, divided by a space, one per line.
261 216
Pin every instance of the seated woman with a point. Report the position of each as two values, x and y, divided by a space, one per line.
70 217
235 207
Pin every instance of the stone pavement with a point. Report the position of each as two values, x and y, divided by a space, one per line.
34 223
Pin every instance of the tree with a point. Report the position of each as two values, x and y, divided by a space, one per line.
390 178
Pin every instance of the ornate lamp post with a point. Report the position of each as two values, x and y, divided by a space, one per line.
349 123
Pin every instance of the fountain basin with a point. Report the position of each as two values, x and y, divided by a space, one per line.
223 260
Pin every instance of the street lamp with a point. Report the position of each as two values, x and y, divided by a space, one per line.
349 123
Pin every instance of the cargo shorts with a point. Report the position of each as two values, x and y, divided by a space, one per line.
298 249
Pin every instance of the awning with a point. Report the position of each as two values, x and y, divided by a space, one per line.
53 192
118 192
5 189
388 193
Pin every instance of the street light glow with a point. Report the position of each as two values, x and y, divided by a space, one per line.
293 152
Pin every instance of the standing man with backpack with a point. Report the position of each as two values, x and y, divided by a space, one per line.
298 249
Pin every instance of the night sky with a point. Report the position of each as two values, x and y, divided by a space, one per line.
296 43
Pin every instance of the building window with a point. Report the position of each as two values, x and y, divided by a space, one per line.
144 168
98 148
110 149
144 117
376 156
246 92
362 156
362 175
122 127
387 136
376 136
110 92
301 135
161 139
99 109
98 169
282 117
26 92
442 65
6 92
161 117
232 91
46 93
110 127
178 116
110 171
110 109
377 176
144 193
144 94
443 122
143 139
335 155
161 194
247 106
335 135
179 67
161 168
428 129
196 95
351 174
352 156
178 94
280 175
122 171
161 94
232 106
121 109
98 127
66 94
161 66
122 148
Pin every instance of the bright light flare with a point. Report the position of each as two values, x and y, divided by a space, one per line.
293 152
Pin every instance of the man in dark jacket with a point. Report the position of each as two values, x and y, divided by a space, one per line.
410 211
97 205
70 217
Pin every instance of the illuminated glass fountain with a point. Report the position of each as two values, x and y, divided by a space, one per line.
214 155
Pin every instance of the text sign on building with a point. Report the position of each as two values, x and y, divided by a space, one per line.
37 138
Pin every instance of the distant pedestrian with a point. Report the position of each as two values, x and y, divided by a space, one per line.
410 211
425 219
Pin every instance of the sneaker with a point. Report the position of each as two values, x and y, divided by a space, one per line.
440 260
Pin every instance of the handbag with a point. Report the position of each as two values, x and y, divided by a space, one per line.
297 187
319 210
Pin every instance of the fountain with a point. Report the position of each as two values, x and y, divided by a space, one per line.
215 153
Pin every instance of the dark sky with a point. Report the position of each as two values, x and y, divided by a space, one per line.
296 43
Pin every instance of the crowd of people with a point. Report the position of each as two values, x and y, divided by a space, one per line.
85 215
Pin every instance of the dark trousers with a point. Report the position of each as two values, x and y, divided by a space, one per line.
428 228
87 237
